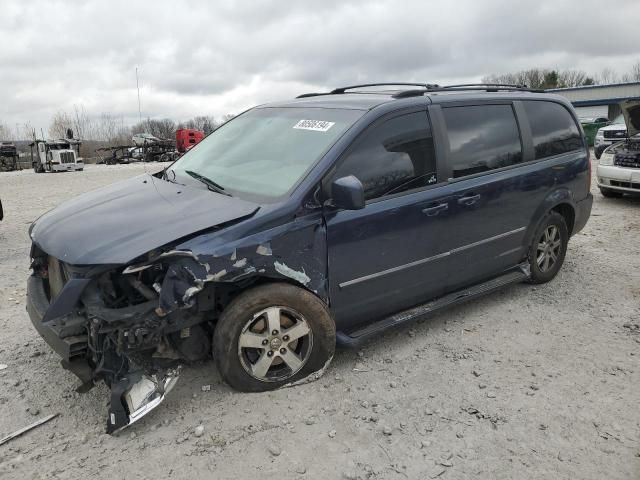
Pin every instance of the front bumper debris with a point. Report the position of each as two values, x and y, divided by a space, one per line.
133 399
133 395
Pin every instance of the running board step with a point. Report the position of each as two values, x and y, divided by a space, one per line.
357 337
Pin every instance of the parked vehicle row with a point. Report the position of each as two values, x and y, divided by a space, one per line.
591 125
8 157
301 224
618 171
607 136
56 156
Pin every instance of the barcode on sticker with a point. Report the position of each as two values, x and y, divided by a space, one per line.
315 125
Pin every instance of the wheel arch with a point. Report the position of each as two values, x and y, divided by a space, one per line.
560 201
226 292
568 211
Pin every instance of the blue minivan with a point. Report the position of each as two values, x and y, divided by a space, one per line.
303 224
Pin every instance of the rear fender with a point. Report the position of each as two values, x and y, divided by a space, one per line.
557 197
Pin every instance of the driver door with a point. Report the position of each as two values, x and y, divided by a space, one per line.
387 256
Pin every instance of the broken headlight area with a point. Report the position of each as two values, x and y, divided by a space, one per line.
141 325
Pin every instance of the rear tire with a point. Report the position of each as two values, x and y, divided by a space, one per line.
610 193
548 248
252 358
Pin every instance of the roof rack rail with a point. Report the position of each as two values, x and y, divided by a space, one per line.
489 87
341 90
388 84
510 85
429 88
485 87
312 94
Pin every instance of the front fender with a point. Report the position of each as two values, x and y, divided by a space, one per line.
295 252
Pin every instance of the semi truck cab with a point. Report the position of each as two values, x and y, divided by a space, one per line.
56 156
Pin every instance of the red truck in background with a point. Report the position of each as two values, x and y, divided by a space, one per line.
186 138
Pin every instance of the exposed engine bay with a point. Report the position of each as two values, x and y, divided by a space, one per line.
626 154
132 328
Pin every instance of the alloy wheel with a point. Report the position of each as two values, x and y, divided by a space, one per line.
548 250
275 344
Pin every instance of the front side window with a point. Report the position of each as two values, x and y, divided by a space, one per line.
553 128
482 138
392 157
262 154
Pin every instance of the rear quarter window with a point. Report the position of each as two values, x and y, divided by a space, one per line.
553 129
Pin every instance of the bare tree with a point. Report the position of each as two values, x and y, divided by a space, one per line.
533 78
5 132
60 123
27 131
635 72
165 128
607 75
572 78
82 123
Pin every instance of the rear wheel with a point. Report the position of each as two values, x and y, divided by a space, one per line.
606 192
272 335
548 248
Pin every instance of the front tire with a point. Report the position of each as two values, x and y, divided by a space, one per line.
273 335
548 248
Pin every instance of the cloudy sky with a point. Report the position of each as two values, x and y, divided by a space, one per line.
213 58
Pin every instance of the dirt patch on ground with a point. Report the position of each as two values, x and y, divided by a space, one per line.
531 382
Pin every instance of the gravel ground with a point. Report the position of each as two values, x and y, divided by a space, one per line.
530 382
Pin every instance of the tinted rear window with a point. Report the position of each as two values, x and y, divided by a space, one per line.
553 128
482 138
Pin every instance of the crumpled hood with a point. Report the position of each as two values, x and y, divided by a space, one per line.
117 223
631 112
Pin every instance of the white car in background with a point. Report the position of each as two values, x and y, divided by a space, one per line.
618 171
607 136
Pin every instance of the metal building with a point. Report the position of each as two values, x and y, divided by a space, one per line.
599 100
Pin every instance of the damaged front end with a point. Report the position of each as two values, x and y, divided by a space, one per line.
133 325
129 327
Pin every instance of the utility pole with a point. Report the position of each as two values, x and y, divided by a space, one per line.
138 87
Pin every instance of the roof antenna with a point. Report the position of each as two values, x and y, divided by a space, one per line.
138 87
144 150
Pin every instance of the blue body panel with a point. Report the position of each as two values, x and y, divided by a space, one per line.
393 254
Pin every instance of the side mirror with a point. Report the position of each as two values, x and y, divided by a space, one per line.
347 193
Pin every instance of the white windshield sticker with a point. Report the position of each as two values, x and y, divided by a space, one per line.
315 125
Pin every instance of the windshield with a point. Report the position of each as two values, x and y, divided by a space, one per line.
262 154
59 146
619 119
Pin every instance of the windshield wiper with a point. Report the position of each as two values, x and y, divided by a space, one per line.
211 185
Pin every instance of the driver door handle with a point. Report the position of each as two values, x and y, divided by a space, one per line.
435 209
